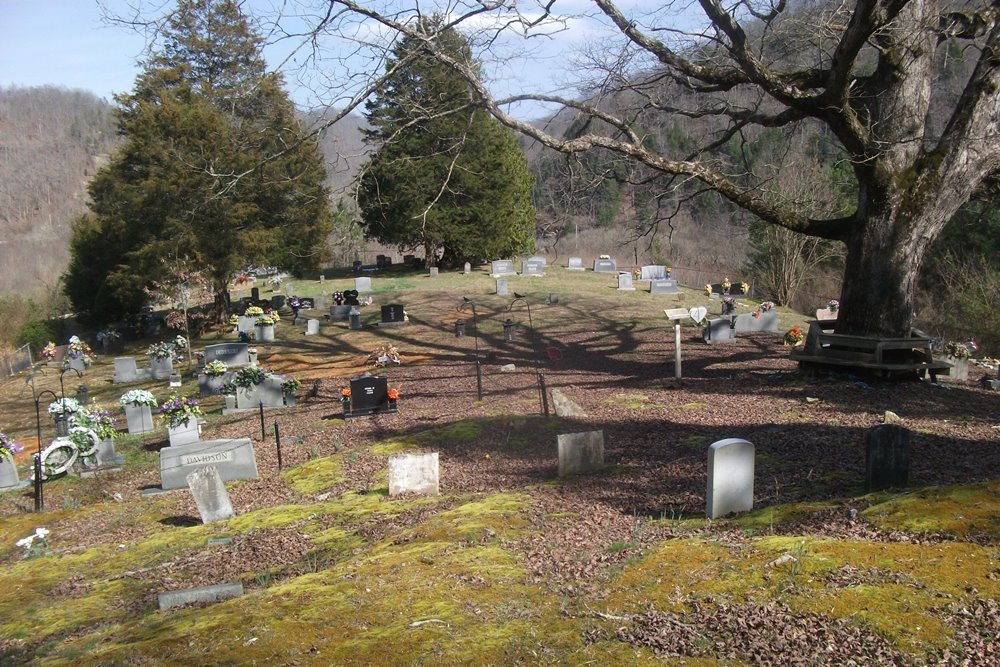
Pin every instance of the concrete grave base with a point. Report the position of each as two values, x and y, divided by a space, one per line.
580 452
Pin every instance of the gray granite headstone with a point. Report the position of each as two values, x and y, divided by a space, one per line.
8 474
502 267
826 314
414 473
277 302
245 323
574 264
234 459
887 457
161 369
765 321
184 434
234 355
625 282
718 330
409 260
664 286
210 495
393 314
653 272
214 593
125 370
605 266
580 452
502 289
530 267
433 272
321 302
339 313
363 284
730 477
139 418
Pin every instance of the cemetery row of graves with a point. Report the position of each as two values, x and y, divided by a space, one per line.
495 466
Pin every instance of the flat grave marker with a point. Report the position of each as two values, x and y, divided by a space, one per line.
580 452
414 473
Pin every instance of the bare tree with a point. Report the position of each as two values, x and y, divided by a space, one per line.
864 73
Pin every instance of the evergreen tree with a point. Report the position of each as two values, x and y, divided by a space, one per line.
445 175
214 169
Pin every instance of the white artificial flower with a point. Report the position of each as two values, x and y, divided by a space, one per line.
41 532
26 542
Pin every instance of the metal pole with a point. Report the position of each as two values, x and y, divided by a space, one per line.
277 443
39 498
677 350
544 396
263 434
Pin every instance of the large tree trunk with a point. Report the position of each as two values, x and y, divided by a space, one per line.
223 303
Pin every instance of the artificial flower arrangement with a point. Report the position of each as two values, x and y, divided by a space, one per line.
345 396
338 298
35 544
291 385
764 307
393 394
636 273
253 311
267 319
180 342
64 406
179 410
49 351
234 320
138 397
708 289
215 368
604 257
726 284
8 448
957 350
794 336
833 305
228 388
77 349
101 422
251 376
160 350
745 287
274 280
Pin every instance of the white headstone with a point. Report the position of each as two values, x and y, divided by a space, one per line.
730 477
312 327
413 473
653 272
363 284
826 314
625 282
210 495
502 287
184 434
125 370
580 452
698 314
575 264
433 272
467 268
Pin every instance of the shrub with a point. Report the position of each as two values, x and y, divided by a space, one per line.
37 333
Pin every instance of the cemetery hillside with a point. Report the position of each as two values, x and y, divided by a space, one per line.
700 368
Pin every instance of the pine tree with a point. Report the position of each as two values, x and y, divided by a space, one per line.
445 175
214 169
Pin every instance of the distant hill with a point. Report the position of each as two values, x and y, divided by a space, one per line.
52 140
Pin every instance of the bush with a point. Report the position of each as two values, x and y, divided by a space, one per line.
39 332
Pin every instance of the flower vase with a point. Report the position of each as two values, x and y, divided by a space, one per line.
184 433
106 452
253 358
289 398
265 333
8 473
230 401
62 425
139 418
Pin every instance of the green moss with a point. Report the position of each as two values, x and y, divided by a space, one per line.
315 475
775 515
692 406
962 511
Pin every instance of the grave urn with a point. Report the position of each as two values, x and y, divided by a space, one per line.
8 473
264 333
106 452
62 424
230 401
139 418
289 397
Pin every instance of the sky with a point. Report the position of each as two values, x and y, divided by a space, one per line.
65 43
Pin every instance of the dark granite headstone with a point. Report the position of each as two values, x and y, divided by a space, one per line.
369 396
392 313
887 457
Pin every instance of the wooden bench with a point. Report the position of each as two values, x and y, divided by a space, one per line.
886 356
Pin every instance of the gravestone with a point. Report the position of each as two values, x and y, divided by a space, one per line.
161 369
653 272
356 267
574 264
210 495
369 396
565 406
247 398
76 363
214 593
730 477
245 323
625 282
531 267
363 284
502 267
184 434
605 266
665 286
826 314
887 457
277 302
380 261
269 392
312 327
718 330
351 297
234 459
414 473
211 385
322 278
409 260
539 259
580 452
340 313
125 370
321 302
433 272
766 321
139 418
467 268
8 474
231 354
288 290
502 289
393 315
255 293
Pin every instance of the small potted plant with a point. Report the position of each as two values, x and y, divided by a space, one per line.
833 305
181 414
288 388
8 471
794 336
138 405
345 400
62 411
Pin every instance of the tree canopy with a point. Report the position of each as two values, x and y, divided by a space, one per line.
215 169
445 175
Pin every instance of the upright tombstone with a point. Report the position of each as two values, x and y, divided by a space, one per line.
719 330
369 396
414 473
161 368
766 321
574 264
210 495
340 313
393 315
380 261
321 302
8 474
826 314
887 457
363 284
234 459
125 370
502 267
409 260
231 354
730 477
184 434
580 452
277 302
533 267
269 392
653 272
433 272
625 282
356 266
255 293
467 268
312 327
605 266
664 286
502 289
139 418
